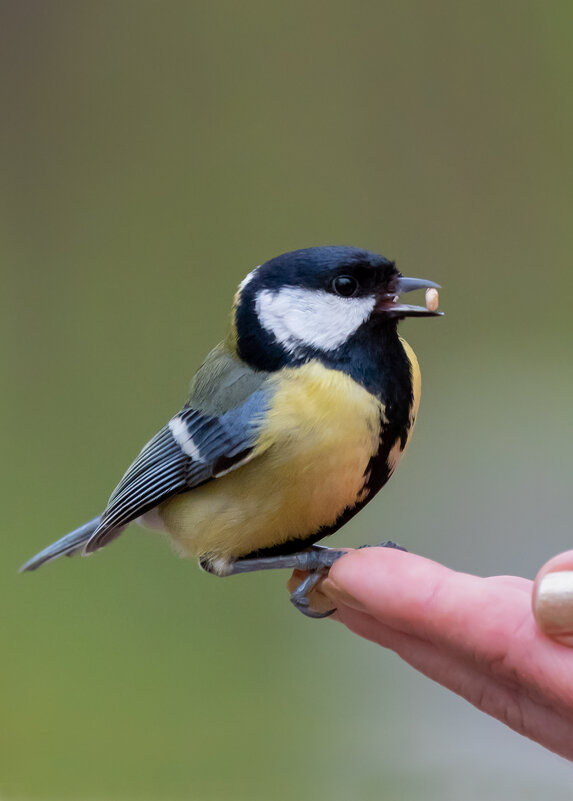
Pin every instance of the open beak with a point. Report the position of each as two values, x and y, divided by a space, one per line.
389 305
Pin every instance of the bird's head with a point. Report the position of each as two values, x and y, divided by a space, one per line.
311 303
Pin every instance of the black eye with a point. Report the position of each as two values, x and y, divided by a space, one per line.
345 285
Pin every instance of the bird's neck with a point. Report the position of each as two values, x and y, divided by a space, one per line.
380 361
375 357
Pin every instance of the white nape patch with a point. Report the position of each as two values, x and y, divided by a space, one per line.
311 317
182 437
248 278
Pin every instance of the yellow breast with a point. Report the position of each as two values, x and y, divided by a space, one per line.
318 436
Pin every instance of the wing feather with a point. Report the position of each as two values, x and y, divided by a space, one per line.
186 453
161 448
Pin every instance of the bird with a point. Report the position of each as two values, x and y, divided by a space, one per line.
292 425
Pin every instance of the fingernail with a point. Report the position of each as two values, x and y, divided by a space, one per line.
553 605
340 596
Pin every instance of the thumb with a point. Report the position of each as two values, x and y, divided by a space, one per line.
552 599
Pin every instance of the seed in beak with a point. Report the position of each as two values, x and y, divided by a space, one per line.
432 300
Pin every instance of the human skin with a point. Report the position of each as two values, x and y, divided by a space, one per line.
476 636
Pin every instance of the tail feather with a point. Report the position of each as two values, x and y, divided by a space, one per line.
66 546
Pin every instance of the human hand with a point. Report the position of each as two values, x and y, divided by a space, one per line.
476 636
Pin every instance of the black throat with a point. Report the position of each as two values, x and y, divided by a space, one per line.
375 358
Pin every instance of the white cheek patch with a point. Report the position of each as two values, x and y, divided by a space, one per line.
311 317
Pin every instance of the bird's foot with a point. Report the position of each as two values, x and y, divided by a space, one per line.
300 598
385 544
316 561
317 557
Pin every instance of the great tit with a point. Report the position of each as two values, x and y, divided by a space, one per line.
293 422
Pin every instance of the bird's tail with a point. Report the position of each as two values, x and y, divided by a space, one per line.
66 546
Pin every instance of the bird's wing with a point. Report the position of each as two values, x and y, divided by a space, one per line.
191 449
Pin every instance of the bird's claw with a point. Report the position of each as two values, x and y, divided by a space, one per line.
300 597
385 544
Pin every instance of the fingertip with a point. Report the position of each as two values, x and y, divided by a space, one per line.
552 599
375 563
378 578
385 582
563 561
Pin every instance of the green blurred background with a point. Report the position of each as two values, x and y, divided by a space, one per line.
153 153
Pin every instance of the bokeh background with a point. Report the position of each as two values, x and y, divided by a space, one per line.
153 153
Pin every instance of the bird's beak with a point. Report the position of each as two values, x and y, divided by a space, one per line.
389 306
